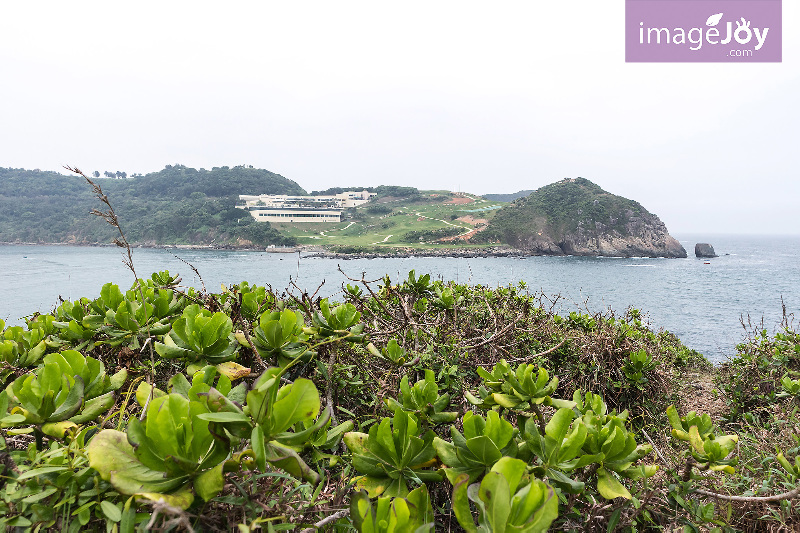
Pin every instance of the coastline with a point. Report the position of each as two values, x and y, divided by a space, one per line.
309 250
317 251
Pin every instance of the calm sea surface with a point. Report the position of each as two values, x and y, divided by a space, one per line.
700 303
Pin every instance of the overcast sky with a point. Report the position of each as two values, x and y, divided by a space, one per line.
484 97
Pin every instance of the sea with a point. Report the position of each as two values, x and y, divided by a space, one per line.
705 302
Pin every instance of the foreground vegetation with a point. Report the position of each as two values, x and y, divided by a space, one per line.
409 404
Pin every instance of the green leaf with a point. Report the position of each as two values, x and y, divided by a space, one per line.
181 499
484 450
461 504
512 471
558 426
72 403
301 403
210 483
494 491
115 460
288 460
674 419
57 429
94 408
40 471
224 416
111 511
609 487
259 450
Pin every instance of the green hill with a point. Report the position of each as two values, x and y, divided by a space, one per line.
577 217
176 205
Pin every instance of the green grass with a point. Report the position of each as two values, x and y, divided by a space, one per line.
387 230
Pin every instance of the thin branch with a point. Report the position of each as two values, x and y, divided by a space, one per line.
196 272
327 520
653 444
763 499
548 351
493 337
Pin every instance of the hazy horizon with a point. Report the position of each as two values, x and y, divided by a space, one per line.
453 95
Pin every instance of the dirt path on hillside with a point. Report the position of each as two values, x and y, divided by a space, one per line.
469 219
697 393
460 200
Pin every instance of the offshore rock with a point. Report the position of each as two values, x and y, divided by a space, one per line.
577 217
703 249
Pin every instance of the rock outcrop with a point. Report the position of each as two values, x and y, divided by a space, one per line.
577 217
703 249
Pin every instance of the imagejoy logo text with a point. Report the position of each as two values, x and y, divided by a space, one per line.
673 30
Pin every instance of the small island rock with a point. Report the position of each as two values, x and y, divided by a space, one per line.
703 249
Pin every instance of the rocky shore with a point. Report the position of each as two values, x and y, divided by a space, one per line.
385 252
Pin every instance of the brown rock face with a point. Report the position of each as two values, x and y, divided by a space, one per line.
645 236
646 241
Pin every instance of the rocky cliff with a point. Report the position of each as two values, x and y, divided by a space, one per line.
577 217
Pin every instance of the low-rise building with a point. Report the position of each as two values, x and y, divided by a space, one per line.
284 208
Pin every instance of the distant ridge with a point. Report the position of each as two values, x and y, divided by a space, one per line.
507 197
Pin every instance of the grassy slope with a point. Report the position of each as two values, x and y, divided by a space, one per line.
387 230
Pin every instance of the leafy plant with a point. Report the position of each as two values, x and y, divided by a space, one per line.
199 336
417 285
445 299
560 449
341 321
279 336
69 389
484 442
170 455
267 418
55 486
708 450
392 352
412 514
22 349
506 501
637 366
392 454
526 388
616 448
791 387
423 400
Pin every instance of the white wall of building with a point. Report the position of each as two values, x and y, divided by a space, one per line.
284 208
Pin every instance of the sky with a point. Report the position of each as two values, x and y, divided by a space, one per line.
481 97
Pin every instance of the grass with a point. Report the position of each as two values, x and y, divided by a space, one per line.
386 230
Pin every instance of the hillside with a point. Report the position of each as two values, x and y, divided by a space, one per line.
401 217
177 205
577 217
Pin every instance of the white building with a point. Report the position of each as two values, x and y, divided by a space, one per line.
284 208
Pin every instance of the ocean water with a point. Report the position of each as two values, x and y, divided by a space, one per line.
701 303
